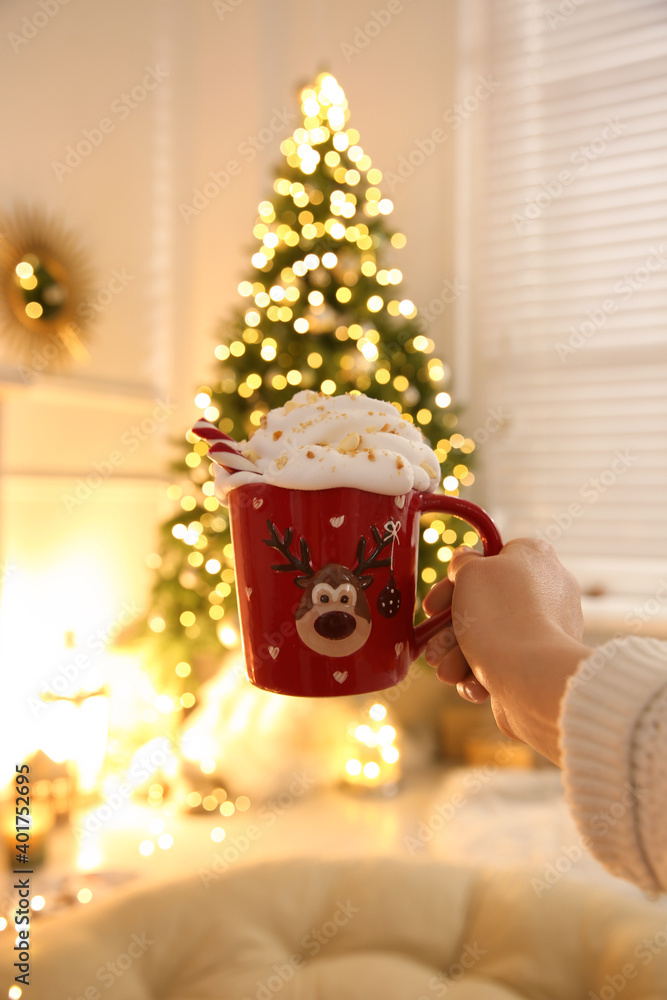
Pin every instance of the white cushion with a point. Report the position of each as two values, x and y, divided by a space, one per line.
350 930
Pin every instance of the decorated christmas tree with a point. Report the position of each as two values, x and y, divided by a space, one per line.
321 309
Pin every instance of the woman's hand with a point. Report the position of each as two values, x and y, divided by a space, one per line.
515 636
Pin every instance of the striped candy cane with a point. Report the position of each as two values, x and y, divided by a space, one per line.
223 449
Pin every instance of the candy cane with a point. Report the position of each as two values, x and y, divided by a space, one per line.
222 454
207 431
223 449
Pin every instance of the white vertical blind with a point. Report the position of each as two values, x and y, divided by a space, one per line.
569 213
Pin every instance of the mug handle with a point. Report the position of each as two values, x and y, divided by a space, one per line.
491 541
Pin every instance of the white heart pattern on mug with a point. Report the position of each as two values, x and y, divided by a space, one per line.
399 648
340 676
257 502
274 650
248 591
336 522
400 501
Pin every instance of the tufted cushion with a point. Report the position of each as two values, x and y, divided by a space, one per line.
386 929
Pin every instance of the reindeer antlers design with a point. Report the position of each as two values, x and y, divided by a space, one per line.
283 546
303 564
372 562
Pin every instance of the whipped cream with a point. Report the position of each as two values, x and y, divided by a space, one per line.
318 442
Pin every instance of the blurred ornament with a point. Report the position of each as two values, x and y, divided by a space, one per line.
320 277
322 319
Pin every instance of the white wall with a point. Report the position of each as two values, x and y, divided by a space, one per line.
227 67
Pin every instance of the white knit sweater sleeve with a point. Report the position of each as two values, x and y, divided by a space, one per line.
613 730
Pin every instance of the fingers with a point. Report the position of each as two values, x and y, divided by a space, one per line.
470 689
439 646
438 598
451 665
460 557
443 651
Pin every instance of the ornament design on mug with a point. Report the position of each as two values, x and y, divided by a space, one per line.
333 616
389 600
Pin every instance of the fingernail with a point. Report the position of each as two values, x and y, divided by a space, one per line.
464 691
473 691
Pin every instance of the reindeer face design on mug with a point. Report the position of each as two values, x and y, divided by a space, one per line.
333 617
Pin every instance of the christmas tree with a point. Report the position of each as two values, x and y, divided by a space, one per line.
322 309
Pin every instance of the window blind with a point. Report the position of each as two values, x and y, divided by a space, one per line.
568 321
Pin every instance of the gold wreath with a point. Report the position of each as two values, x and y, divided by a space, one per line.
44 279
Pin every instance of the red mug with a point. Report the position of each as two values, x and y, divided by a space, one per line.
326 584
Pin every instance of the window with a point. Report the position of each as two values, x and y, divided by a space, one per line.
566 171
